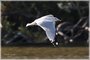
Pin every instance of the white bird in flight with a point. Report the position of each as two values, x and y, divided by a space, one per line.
47 23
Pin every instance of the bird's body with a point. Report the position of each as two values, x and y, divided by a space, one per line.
47 23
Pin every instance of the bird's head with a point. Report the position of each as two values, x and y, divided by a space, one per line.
27 25
31 24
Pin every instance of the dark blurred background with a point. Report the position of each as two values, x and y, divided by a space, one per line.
16 14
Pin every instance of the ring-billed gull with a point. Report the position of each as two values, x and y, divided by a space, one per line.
47 23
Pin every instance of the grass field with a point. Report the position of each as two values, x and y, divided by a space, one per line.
44 52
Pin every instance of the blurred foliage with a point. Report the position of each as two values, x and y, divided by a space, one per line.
16 14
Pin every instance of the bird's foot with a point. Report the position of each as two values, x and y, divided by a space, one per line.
55 44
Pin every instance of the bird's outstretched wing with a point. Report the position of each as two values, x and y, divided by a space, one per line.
49 28
47 23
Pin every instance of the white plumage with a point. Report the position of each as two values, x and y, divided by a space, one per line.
47 23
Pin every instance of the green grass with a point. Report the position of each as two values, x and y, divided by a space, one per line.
44 52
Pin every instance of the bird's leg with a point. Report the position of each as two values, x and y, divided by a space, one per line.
55 43
52 42
56 40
